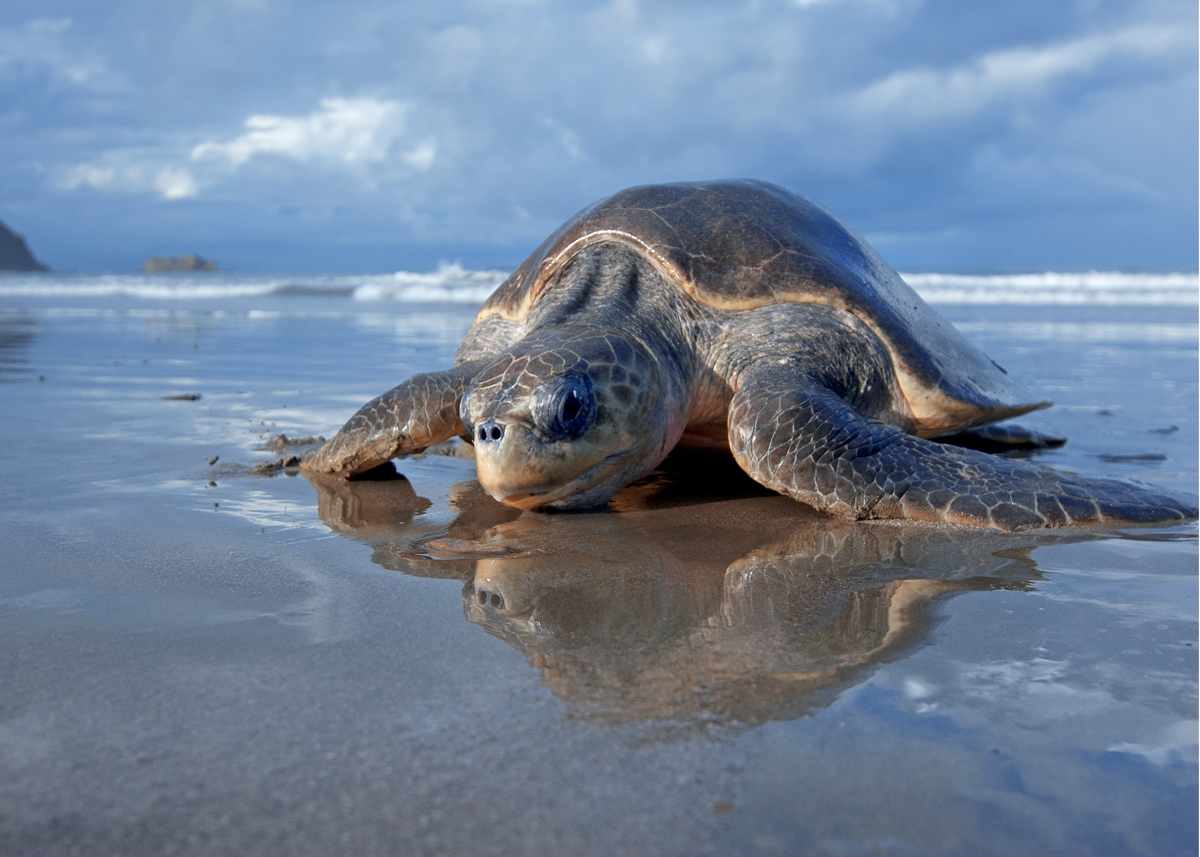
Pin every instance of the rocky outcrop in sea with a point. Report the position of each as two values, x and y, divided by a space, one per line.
190 262
14 254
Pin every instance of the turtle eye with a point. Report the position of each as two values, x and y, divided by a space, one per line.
566 407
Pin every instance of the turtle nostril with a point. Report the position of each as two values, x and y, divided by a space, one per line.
485 598
490 431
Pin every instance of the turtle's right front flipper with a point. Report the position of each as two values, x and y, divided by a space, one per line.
806 442
406 419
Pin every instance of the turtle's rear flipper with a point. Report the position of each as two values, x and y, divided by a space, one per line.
811 445
406 419
1001 438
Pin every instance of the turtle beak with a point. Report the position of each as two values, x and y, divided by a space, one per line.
524 501
519 469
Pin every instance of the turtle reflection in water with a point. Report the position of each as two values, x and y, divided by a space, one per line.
781 632
740 314
675 610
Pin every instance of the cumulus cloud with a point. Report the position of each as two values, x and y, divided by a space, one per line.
176 183
351 130
486 122
924 95
131 173
359 133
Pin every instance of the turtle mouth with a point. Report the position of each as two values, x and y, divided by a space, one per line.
583 484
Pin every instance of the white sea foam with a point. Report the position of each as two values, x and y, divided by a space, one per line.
149 287
451 283
1093 287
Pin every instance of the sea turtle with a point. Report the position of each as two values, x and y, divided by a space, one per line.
736 313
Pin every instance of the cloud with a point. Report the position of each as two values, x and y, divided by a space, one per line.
41 47
567 138
363 134
89 175
927 95
483 123
176 183
351 130
131 172
422 157
805 4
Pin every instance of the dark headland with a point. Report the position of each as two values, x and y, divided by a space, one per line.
14 253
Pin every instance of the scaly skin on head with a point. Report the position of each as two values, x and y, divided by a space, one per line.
568 418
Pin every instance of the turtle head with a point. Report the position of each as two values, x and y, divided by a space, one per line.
567 418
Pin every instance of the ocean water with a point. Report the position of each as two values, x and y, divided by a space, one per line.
451 283
200 657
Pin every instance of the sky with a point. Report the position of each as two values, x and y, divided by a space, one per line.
357 136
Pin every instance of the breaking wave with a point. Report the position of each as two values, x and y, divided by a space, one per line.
1094 287
451 283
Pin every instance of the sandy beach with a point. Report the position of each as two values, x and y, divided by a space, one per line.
203 655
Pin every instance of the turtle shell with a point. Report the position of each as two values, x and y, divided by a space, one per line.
738 245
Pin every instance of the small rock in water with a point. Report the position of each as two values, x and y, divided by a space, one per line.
282 441
289 465
190 262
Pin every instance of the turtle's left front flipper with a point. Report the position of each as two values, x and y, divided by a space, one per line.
812 445
408 418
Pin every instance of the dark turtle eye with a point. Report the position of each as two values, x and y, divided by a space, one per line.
566 407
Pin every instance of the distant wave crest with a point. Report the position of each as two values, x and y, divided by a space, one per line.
451 283
1094 287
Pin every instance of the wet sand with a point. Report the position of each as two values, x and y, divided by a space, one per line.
196 659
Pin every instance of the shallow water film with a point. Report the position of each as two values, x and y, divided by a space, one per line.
203 652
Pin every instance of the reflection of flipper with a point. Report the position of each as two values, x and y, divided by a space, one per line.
387 503
384 511
808 443
1002 438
